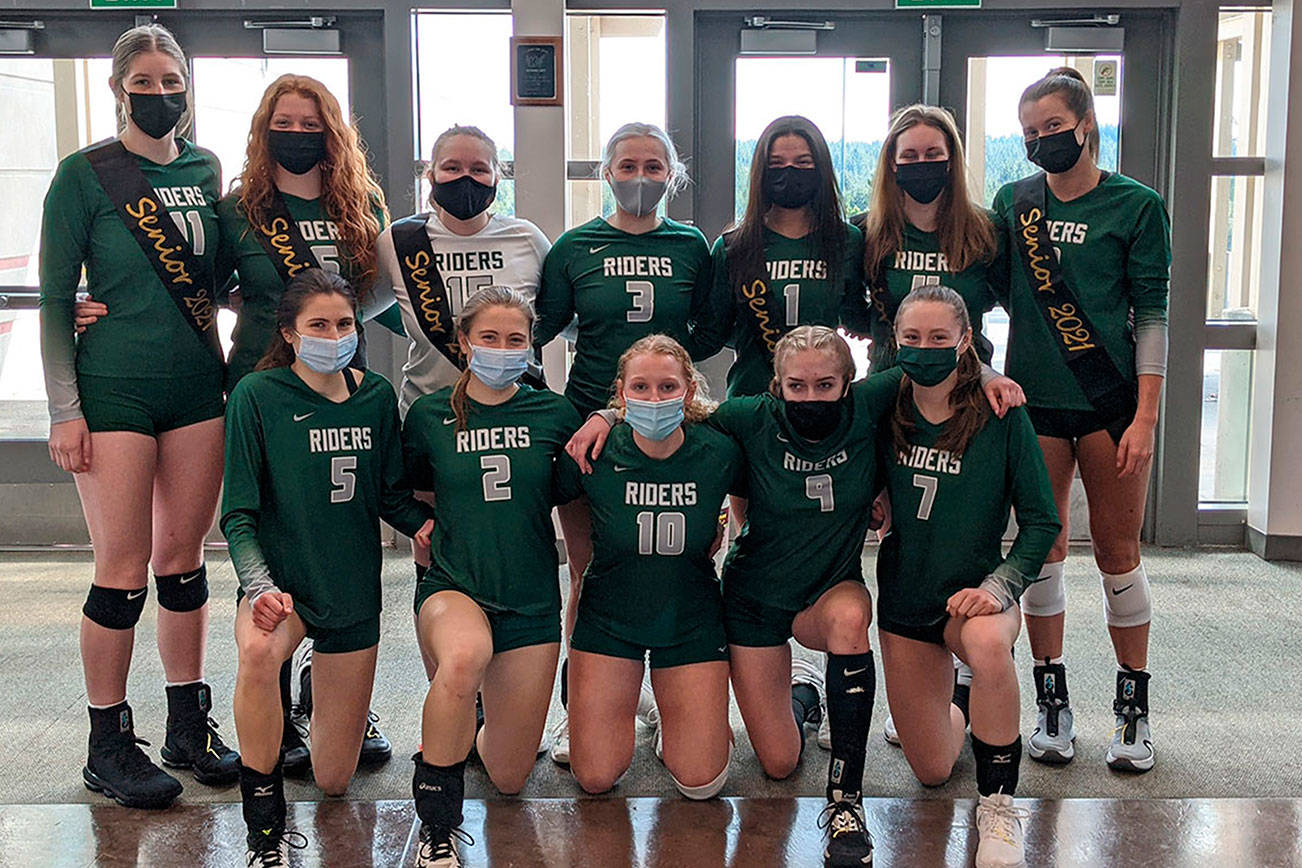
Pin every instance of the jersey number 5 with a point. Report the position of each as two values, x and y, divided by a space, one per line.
820 488
644 300
497 477
343 476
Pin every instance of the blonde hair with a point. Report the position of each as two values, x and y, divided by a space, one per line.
451 133
696 410
489 296
146 39
678 178
810 337
1069 84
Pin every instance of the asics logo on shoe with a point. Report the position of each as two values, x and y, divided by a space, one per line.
850 673
1116 592
300 417
267 790
597 249
136 595
428 788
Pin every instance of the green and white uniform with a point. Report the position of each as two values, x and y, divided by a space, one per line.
509 251
801 281
623 287
808 512
307 482
651 584
948 515
920 262
493 490
142 368
260 283
1114 245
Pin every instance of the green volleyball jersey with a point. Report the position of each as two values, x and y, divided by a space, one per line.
144 335
307 482
1114 244
622 287
493 494
260 283
949 512
920 262
803 287
652 581
809 502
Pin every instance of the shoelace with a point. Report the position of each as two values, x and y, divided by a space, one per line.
841 818
431 849
271 856
999 820
134 761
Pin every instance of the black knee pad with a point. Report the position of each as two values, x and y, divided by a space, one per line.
183 592
114 608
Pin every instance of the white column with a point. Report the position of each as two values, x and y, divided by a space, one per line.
1275 479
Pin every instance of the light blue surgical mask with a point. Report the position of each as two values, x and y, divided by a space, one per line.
325 355
654 420
496 368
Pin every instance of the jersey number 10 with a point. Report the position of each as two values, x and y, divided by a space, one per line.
663 534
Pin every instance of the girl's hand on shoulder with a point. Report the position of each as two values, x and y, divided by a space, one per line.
1004 394
271 608
588 440
971 603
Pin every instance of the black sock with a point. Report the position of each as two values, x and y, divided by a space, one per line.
851 686
263 801
996 766
439 792
804 704
962 696
286 700
565 683
421 570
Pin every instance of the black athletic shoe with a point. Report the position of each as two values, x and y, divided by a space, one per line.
304 706
849 844
192 741
435 850
376 749
272 850
118 768
295 757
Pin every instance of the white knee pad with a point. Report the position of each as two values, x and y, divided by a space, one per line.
1048 596
704 791
1126 598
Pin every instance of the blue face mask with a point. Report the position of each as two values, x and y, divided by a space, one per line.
326 356
654 420
496 368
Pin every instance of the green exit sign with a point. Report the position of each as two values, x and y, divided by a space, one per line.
132 4
931 4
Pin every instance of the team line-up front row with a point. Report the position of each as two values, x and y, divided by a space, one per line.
475 452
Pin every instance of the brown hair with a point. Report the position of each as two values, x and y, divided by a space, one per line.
810 337
349 192
482 300
451 133
700 407
301 287
965 232
745 241
968 399
145 39
1075 92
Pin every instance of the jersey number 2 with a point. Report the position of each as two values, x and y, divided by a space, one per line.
497 477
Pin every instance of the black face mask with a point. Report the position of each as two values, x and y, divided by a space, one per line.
156 114
464 197
1057 153
814 420
790 186
297 152
923 181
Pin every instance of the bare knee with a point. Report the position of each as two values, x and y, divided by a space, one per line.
461 670
931 771
596 781
988 651
847 626
259 656
333 783
509 782
1116 556
778 766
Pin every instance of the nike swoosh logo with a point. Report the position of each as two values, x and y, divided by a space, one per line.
1118 591
782 439
188 579
619 469
850 673
598 249
451 421
136 595
298 418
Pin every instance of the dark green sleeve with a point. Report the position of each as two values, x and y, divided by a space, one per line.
856 316
242 491
555 300
877 393
397 506
229 228
567 480
65 238
1148 263
707 331
734 416
1032 496
721 310
999 274
414 453
391 319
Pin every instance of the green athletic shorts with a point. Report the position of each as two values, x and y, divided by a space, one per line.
511 630
341 640
705 645
149 405
755 624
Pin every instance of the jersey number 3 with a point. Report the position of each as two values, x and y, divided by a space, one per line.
644 300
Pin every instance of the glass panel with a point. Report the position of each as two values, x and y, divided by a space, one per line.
848 98
227 91
996 151
462 76
1234 278
1227 405
615 74
1242 64
23 414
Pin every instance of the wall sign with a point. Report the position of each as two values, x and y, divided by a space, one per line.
536 74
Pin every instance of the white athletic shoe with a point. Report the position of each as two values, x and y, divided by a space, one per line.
1132 744
649 715
440 851
890 733
1053 740
1000 833
560 737
806 672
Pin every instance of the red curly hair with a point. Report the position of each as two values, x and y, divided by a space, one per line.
349 190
